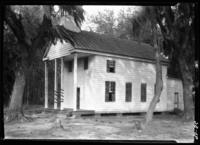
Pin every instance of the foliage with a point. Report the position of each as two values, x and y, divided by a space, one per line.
174 22
117 25
105 22
33 28
76 11
124 26
179 20
9 56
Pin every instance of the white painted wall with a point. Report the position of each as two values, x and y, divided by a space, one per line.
126 71
82 81
68 87
174 85
92 85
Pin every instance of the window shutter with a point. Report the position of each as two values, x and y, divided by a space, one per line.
143 92
113 89
128 92
113 66
107 65
106 91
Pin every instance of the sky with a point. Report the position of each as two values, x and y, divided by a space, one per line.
94 9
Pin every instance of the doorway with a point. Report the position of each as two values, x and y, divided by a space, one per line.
78 99
176 100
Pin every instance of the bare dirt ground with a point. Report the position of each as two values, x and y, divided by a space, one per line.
163 127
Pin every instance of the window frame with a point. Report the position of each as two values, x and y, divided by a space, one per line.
110 91
109 67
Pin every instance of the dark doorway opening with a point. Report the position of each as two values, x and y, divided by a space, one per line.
176 100
78 99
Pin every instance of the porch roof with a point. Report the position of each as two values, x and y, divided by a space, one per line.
91 41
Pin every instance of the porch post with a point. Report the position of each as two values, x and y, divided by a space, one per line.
55 85
62 81
46 85
75 80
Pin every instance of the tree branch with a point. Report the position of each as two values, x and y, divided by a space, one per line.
16 26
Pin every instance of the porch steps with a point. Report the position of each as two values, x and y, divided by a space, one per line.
80 113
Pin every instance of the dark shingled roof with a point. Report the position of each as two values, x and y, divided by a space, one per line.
107 44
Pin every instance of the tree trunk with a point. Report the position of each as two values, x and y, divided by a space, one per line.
187 90
159 85
27 97
15 106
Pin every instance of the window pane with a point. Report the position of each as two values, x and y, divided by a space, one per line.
111 64
113 91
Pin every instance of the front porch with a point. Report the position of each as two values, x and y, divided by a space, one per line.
60 96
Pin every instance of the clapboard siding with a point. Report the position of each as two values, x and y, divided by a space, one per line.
92 86
83 77
174 85
126 71
59 50
68 88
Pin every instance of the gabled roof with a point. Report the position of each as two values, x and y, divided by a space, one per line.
107 44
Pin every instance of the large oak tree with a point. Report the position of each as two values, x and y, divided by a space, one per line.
174 23
34 27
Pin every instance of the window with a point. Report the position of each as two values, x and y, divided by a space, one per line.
128 92
110 91
85 63
70 64
176 99
143 92
155 92
111 66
